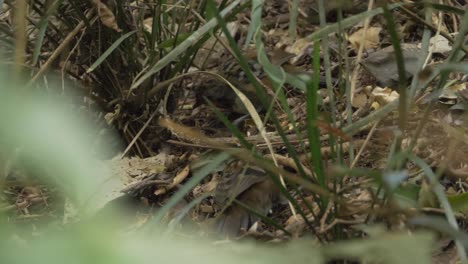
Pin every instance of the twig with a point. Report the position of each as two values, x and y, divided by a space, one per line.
433 28
60 48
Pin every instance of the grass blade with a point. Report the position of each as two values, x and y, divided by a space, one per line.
195 37
109 51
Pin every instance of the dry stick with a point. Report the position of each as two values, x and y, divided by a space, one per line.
180 177
354 75
69 55
139 133
360 52
454 19
358 155
60 48
128 133
235 141
20 36
437 33
193 145
288 162
325 152
439 211
325 216
341 221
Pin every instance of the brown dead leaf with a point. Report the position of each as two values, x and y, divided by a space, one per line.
296 225
384 96
300 47
359 100
449 95
369 39
206 187
181 175
148 24
106 16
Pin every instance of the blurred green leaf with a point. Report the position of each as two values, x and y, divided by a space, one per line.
459 202
54 142
393 179
391 248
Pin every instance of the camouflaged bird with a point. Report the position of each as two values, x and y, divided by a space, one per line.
250 186
219 92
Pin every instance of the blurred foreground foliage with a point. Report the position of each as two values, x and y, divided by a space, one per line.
95 244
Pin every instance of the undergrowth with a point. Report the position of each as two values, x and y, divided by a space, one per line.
129 62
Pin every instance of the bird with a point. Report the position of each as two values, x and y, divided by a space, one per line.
250 186
222 95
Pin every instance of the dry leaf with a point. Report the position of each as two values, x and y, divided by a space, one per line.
369 39
300 47
384 96
205 187
148 24
359 100
449 95
439 44
106 15
181 176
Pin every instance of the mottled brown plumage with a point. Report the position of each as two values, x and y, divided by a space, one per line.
219 92
250 186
